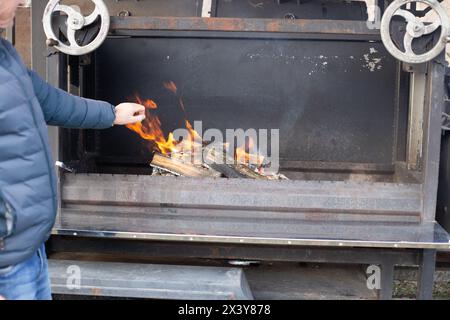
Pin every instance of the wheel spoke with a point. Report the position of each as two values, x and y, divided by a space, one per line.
432 27
407 43
408 16
71 37
66 9
92 17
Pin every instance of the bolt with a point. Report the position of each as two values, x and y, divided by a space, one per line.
51 42
124 13
290 16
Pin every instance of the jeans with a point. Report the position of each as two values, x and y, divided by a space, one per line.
28 280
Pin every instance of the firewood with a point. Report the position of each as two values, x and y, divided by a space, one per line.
186 150
179 168
222 165
227 170
228 166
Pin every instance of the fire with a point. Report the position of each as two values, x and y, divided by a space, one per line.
248 154
170 85
194 135
146 103
150 130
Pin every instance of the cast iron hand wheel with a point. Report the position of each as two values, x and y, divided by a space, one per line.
415 28
75 22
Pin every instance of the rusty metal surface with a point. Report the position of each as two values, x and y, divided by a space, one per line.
247 25
172 8
241 211
232 207
266 197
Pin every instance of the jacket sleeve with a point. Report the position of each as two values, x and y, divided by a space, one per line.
65 110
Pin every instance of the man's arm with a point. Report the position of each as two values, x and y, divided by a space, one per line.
63 109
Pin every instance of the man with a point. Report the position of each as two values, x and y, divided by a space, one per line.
28 198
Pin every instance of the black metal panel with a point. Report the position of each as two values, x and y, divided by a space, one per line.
290 9
331 100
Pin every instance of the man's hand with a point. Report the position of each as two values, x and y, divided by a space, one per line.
129 113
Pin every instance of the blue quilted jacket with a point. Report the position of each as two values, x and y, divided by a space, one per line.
28 193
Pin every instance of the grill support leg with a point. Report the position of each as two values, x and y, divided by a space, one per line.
425 279
387 279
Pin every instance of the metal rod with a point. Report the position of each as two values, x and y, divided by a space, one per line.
335 27
249 240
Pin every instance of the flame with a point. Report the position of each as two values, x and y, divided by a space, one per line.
170 85
180 101
248 154
150 129
146 103
192 132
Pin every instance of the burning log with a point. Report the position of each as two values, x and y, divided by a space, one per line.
192 156
228 171
179 168
181 165
218 160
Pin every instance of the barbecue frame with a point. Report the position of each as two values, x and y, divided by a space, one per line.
421 253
